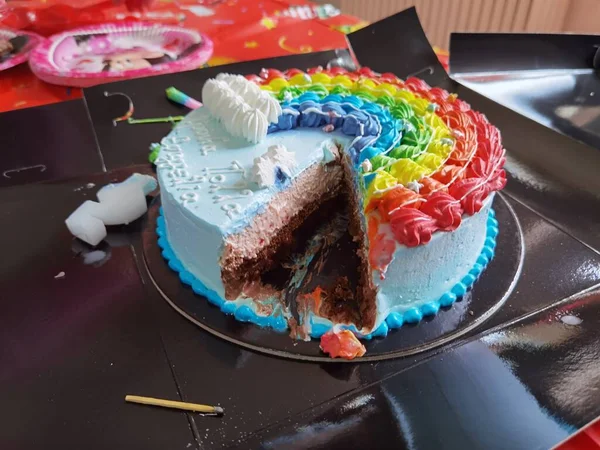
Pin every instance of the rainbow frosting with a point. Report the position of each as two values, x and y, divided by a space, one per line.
419 135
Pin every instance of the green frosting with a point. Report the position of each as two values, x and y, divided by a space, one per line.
406 151
340 90
381 161
319 89
287 91
416 134
154 149
387 101
401 110
366 96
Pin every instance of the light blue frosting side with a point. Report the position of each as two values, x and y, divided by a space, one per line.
413 312
430 271
320 326
241 311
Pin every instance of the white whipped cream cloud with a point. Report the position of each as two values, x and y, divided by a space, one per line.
241 106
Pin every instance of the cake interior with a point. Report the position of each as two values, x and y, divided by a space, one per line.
257 262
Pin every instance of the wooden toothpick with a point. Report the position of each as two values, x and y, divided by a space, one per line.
175 405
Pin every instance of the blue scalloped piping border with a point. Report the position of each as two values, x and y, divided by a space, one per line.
394 320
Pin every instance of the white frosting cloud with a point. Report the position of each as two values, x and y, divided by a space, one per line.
243 108
263 172
254 96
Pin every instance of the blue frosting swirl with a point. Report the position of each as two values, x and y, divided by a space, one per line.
373 126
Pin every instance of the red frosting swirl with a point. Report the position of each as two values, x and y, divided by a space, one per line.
471 192
448 174
460 105
497 181
367 72
412 227
437 95
445 209
478 168
390 78
475 165
381 252
416 84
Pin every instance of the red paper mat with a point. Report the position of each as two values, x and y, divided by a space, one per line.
588 438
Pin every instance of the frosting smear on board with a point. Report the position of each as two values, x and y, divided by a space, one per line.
418 165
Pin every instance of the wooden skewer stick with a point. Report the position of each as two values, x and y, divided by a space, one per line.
173 404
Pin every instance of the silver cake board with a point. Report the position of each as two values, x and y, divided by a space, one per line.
487 295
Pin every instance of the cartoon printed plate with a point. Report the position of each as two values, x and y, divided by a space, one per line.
110 52
15 47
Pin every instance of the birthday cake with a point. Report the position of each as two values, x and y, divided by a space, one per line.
267 154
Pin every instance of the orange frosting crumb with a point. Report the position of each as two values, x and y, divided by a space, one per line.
342 344
316 297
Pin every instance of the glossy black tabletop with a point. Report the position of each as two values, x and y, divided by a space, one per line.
81 330
83 327
552 79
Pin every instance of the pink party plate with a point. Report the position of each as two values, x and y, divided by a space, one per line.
104 53
15 47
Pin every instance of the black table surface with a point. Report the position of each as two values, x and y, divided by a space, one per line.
78 335
74 346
